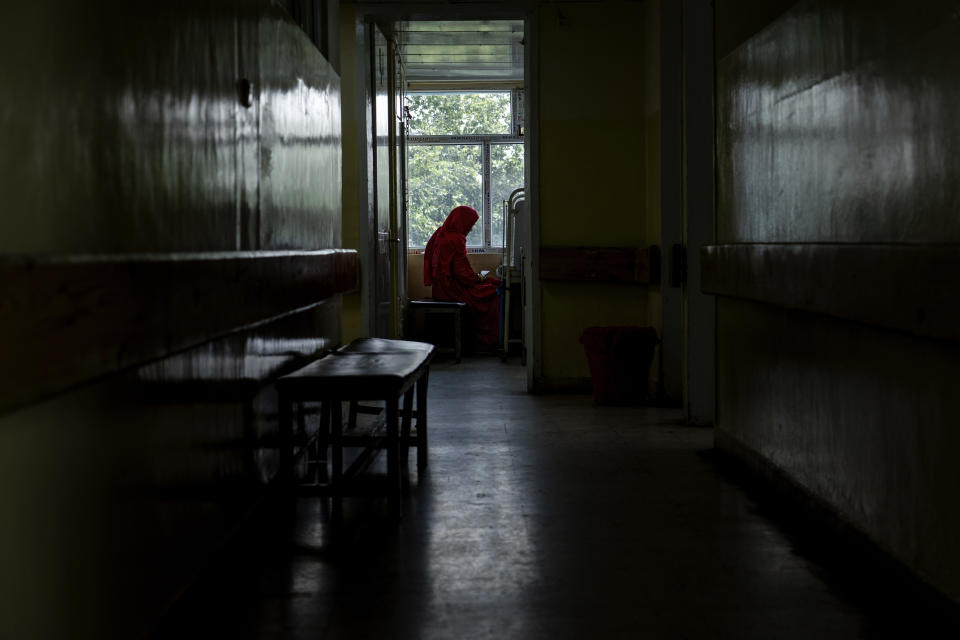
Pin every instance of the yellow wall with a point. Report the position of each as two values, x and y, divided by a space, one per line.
592 166
416 290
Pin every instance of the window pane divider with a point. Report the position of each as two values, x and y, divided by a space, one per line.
471 139
487 208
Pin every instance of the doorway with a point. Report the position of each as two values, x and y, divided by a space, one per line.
474 54
463 110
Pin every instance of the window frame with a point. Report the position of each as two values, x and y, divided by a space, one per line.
484 141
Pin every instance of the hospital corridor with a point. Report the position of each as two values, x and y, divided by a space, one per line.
469 319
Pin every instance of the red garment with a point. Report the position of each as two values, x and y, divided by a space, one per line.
446 269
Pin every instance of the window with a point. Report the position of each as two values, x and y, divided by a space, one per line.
506 175
439 178
463 148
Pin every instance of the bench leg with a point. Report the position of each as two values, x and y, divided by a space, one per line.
422 421
336 446
406 419
394 485
456 335
352 418
323 442
285 440
300 435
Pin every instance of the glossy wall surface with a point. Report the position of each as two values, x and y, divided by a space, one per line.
836 125
182 139
125 129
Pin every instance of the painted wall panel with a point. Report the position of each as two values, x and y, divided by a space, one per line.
836 126
135 108
300 161
119 127
860 417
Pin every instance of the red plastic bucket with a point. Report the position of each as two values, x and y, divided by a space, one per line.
619 358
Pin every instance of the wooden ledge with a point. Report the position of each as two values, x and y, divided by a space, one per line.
911 288
614 265
66 320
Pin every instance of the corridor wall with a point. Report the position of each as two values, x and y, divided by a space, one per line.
170 180
836 136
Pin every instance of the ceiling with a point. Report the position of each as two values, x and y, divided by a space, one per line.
462 50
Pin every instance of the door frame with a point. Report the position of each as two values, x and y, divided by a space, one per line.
384 14
688 205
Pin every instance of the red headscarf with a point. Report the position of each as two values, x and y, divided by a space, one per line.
451 237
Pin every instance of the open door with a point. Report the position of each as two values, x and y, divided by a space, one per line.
699 208
384 299
688 346
388 174
398 231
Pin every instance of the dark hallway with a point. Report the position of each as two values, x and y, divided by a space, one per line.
550 517
209 207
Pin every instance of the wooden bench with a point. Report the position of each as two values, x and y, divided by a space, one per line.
368 369
419 310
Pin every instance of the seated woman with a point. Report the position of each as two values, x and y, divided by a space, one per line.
446 269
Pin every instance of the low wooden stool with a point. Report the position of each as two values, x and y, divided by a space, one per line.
420 309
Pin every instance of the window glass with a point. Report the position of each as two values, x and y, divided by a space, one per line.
439 178
459 113
506 174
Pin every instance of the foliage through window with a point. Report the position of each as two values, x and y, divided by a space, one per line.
439 178
462 113
462 149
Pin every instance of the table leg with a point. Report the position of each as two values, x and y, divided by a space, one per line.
406 419
352 418
285 440
456 335
336 444
422 421
323 442
394 485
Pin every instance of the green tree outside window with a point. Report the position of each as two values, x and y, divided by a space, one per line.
443 176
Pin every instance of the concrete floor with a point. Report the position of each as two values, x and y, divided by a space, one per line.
548 517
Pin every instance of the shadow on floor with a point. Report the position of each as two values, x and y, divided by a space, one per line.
550 517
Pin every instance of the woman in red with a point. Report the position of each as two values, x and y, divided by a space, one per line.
446 269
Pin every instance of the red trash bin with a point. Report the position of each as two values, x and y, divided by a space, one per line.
619 359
